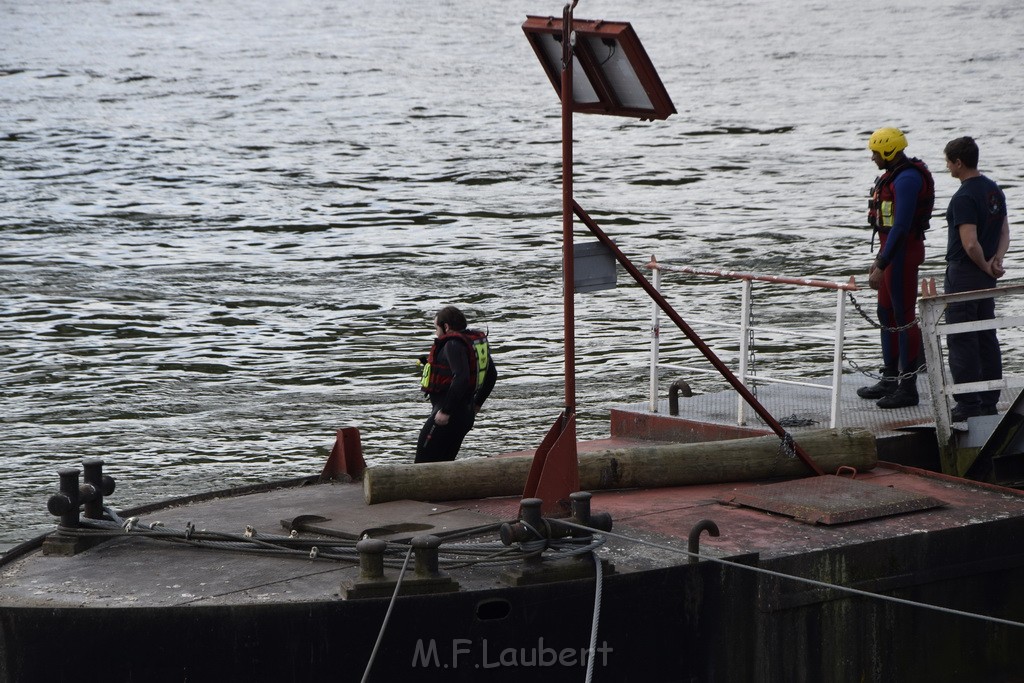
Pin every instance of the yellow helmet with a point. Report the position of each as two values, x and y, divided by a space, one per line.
887 141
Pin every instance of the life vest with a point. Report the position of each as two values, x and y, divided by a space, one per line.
437 377
882 204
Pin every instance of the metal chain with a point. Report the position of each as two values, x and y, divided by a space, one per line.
899 378
913 323
786 446
874 375
752 351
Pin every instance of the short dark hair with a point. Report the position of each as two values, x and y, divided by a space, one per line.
451 316
964 149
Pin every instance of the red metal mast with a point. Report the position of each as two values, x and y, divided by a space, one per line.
555 470
568 273
554 473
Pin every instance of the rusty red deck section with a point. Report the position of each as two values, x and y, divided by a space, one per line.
668 514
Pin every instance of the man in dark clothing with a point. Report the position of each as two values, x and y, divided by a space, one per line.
458 376
979 235
900 208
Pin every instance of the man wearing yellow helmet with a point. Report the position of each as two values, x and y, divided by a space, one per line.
899 211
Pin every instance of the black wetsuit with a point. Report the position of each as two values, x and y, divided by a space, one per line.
440 443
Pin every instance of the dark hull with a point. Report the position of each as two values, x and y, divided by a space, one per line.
684 622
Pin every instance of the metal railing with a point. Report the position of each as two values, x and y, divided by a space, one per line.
746 328
931 307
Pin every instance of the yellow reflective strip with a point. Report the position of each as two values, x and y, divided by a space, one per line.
482 360
885 214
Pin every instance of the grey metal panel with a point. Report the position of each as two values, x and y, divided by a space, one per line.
593 267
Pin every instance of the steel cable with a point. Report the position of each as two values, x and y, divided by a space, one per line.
801 579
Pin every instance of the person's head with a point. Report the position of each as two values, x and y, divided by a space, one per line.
961 156
449 319
887 145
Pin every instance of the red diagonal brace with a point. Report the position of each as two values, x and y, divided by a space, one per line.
751 400
555 471
346 459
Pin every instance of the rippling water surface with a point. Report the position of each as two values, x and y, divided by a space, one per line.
226 226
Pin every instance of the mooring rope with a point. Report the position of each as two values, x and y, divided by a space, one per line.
387 615
598 588
331 549
490 555
801 579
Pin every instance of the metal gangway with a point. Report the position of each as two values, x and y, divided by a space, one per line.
957 460
746 328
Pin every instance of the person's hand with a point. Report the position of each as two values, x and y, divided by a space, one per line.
995 267
441 418
875 276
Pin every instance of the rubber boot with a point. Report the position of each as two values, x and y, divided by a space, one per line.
886 386
905 395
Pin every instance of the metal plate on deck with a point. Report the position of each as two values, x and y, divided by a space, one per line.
394 521
830 499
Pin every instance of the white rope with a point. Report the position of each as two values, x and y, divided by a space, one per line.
813 582
387 615
598 587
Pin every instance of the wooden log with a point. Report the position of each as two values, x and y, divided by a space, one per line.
640 466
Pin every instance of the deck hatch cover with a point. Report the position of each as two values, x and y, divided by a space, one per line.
830 499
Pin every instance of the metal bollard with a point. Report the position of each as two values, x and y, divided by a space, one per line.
580 506
424 549
97 485
371 558
530 523
582 515
529 512
65 503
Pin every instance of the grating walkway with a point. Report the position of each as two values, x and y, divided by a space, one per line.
800 409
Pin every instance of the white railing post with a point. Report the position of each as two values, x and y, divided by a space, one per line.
837 357
655 337
741 405
746 372
930 310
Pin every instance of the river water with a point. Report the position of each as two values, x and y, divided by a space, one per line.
226 226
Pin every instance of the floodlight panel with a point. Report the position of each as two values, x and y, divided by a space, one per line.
612 73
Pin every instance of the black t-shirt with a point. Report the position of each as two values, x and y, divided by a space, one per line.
980 202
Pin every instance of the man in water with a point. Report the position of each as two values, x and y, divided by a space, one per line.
899 210
458 376
979 235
